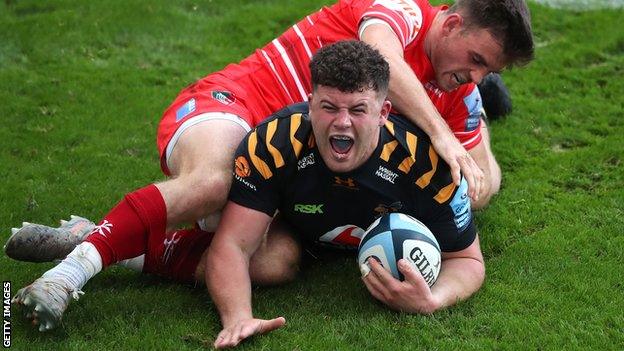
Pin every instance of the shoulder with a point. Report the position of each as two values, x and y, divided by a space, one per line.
279 140
414 155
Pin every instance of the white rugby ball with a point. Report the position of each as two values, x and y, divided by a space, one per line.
396 235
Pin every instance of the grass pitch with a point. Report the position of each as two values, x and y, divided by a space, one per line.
83 85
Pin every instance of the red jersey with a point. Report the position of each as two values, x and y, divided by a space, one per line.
278 74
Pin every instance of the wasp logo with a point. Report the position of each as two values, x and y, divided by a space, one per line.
347 183
241 167
383 209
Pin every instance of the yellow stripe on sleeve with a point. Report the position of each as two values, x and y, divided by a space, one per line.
425 179
295 122
260 165
277 156
408 162
388 149
445 193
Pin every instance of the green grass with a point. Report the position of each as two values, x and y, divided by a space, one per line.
83 85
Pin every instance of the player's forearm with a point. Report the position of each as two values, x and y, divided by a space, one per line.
227 280
408 97
459 279
407 94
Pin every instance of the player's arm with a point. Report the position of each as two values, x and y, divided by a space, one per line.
238 236
461 275
409 97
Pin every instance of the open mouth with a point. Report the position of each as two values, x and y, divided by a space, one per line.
341 144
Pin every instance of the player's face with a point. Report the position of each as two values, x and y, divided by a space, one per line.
346 125
463 55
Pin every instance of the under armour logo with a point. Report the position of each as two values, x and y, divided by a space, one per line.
106 226
349 182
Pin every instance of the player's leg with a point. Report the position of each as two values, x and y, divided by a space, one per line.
208 148
201 164
483 156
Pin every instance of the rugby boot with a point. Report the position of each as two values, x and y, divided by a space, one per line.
39 243
45 300
496 96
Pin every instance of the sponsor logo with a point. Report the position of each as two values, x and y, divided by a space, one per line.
185 109
347 183
460 204
241 167
224 97
103 229
305 162
474 107
433 88
424 266
346 236
246 183
386 174
309 209
170 246
383 209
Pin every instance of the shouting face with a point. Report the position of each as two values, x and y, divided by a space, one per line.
346 125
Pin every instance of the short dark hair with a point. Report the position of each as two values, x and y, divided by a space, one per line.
509 21
349 66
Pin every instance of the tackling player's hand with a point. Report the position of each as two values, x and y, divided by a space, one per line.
459 160
234 334
412 295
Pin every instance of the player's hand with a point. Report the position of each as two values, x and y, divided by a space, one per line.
459 160
412 295
234 334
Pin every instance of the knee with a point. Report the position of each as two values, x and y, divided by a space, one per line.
491 187
206 192
276 262
214 187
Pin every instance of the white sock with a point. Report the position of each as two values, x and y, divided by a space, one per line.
82 264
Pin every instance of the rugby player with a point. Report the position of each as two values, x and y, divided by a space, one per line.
329 172
345 160
436 54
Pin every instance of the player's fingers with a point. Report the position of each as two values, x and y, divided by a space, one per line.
272 324
231 339
381 273
412 275
455 171
223 339
373 290
473 175
372 282
468 172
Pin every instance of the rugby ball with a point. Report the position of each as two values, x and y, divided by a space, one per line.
396 235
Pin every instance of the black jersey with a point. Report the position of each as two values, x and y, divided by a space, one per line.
278 167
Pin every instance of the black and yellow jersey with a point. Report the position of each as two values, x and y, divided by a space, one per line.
278 167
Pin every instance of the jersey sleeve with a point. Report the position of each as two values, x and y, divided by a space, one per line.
447 211
254 183
463 112
404 17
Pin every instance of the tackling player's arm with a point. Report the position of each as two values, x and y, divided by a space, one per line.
238 236
409 97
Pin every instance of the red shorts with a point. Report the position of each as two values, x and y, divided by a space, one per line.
175 255
195 105
235 96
